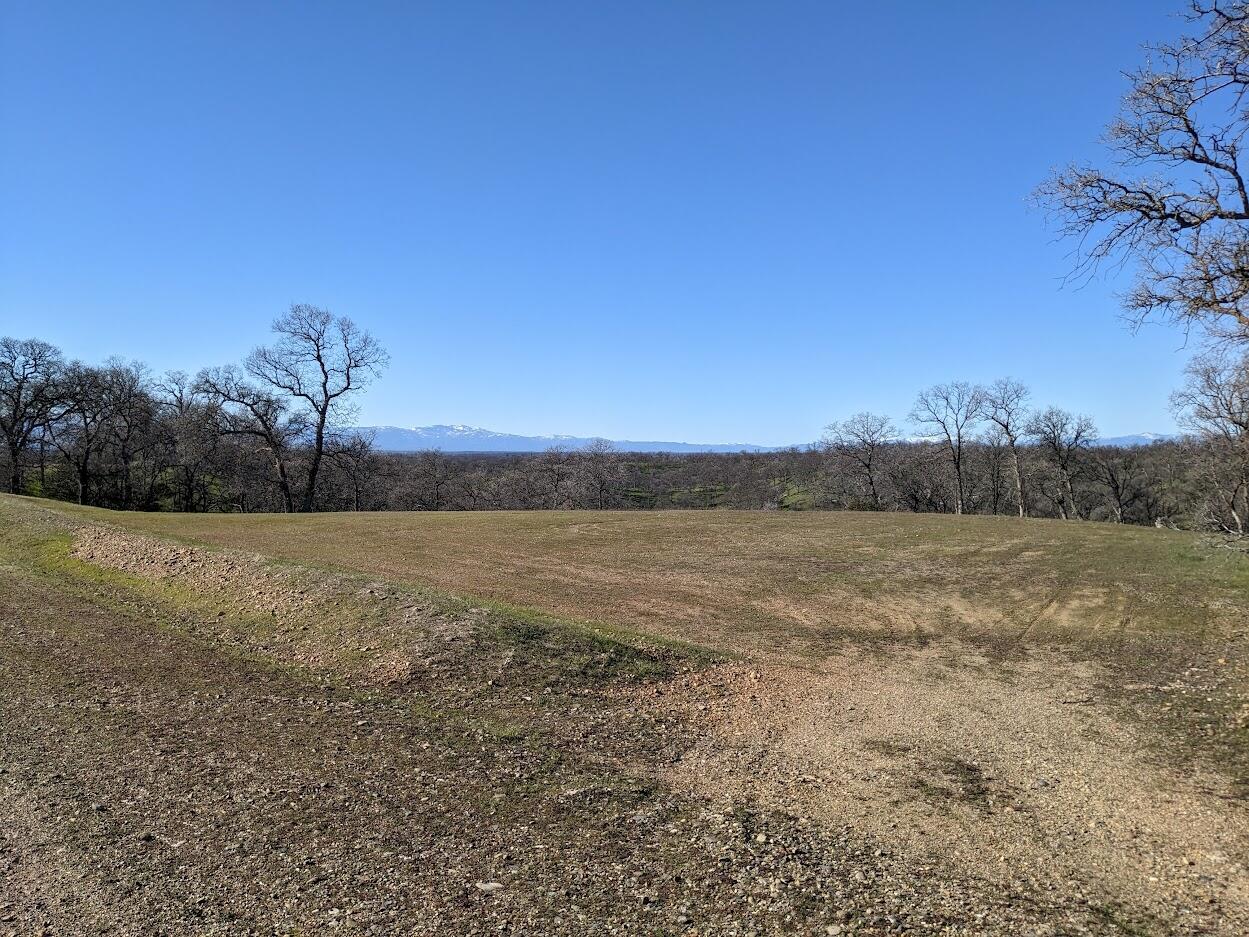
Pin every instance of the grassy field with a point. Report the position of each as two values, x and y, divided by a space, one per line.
775 582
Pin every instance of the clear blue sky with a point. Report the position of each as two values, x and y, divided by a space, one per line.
709 221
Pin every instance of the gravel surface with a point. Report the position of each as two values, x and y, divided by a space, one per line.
1031 778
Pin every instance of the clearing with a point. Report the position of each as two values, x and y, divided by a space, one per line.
685 722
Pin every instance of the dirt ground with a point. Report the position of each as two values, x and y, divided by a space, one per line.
203 741
1028 776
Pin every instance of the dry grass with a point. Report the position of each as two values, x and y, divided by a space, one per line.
772 583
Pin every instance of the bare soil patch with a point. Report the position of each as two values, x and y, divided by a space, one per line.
1025 774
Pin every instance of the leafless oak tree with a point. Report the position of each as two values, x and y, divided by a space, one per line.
1063 437
318 360
1174 202
599 470
948 414
81 427
356 462
1214 403
553 470
246 410
1006 407
860 439
29 369
191 423
1119 474
133 411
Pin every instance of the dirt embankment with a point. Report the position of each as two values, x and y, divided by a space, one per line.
323 620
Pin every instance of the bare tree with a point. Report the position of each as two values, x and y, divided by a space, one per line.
29 369
599 469
1121 475
318 360
554 469
80 429
992 454
245 410
1006 407
1215 398
354 459
861 439
133 412
918 476
1175 202
432 474
191 423
1214 403
1063 437
948 414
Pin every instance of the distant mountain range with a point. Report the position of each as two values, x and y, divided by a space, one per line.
1137 439
460 438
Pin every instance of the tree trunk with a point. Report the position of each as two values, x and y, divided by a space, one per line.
84 480
126 494
318 447
284 485
15 479
1014 462
1069 493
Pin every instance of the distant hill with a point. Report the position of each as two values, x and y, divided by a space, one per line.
459 438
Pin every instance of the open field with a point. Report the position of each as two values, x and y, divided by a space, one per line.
783 584
492 723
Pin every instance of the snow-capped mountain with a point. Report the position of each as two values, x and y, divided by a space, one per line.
1136 439
460 438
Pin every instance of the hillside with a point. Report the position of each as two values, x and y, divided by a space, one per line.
811 724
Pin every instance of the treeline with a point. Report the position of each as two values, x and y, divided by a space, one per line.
262 436
1152 484
259 436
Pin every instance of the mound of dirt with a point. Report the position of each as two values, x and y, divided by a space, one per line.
247 582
